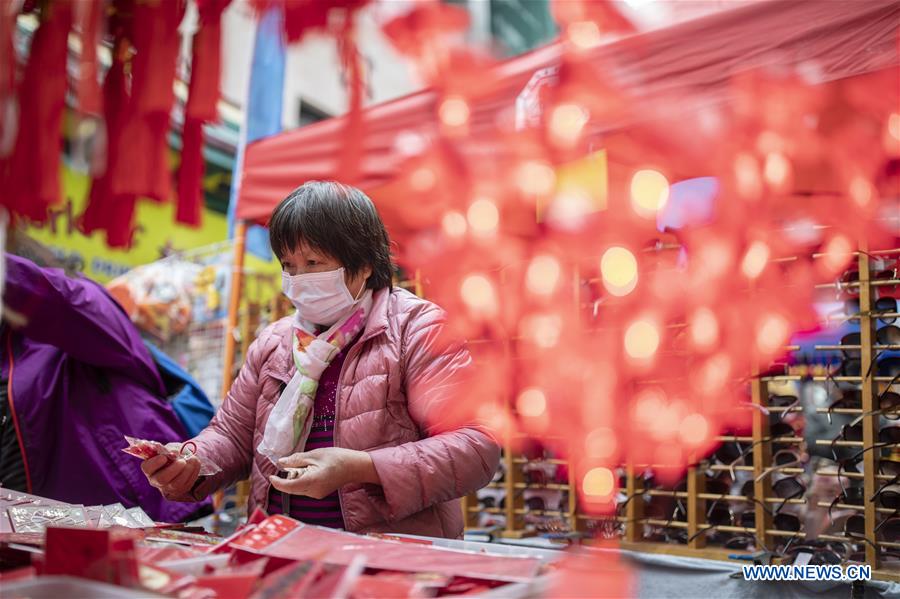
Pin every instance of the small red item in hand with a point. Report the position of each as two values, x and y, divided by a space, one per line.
145 449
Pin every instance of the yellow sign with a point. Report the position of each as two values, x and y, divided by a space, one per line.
156 235
583 183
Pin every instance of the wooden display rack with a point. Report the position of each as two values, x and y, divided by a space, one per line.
697 500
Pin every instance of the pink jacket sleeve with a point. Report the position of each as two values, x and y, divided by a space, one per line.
228 440
446 464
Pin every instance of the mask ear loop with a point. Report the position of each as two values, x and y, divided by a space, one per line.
362 290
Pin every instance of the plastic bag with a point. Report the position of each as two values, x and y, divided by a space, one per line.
36 518
144 449
158 297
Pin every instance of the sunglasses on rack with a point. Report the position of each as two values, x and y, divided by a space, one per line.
852 367
658 507
853 432
786 489
733 451
782 459
786 402
886 305
777 430
848 283
883 307
719 515
852 495
888 529
888 335
888 403
851 399
747 518
888 494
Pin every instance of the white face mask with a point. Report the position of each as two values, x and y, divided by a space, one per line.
320 297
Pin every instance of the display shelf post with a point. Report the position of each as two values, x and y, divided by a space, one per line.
234 303
868 395
514 501
634 510
575 523
762 457
696 508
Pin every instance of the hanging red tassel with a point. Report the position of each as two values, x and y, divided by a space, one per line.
190 175
90 13
31 175
303 16
202 105
7 53
352 154
107 211
205 64
157 42
144 166
7 83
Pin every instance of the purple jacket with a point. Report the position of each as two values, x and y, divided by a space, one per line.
81 380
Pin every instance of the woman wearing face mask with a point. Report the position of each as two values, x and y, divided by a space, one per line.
335 415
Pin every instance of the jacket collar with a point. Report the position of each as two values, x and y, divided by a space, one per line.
377 322
282 367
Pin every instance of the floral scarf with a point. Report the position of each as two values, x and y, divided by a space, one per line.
291 419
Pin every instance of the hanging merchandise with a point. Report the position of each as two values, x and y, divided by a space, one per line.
30 175
8 106
107 210
89 20
142 169
158 297
203 97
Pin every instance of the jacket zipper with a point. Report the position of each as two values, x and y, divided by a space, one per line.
12 412
337 411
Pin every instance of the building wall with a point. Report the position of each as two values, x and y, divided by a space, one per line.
313 73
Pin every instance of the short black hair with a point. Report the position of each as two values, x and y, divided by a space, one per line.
339 220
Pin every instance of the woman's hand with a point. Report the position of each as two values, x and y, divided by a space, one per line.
321 472
175 479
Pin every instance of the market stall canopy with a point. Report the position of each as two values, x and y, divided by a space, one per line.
696 59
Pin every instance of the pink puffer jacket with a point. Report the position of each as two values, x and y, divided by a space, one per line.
394 386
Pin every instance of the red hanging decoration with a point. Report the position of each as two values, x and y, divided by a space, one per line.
143 169
303 16
190 174
106 210
7 53
7 81
31 175
350 61
201 107
89 15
